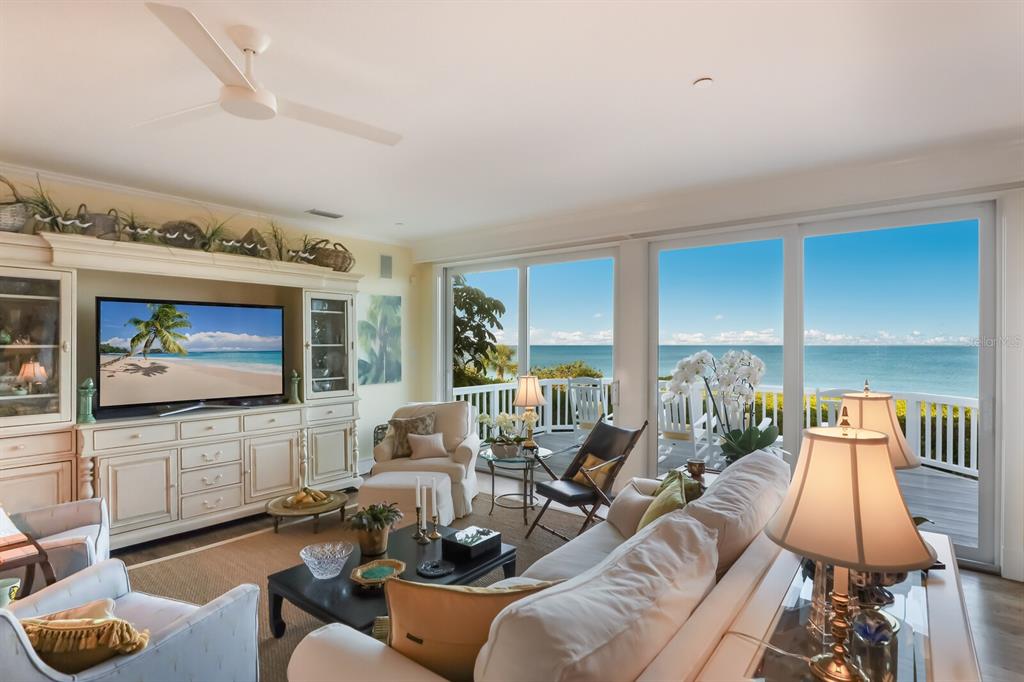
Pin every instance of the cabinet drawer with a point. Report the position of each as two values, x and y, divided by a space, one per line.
272 420
210 427
40 444
211 501
103 439
325 412
214 477
213 453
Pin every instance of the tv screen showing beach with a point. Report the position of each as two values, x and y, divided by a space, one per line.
154 352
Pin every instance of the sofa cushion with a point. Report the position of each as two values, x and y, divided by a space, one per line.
443 627
440 465
578 556
628 508
427 446
669 499
611 621
740 501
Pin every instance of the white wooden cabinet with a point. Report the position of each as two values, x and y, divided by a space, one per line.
36 485
271 465
331 453
141 489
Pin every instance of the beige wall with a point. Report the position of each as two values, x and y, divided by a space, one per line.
377 402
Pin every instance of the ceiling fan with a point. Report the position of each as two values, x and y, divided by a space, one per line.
241 94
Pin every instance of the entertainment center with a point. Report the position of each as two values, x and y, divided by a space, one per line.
163 475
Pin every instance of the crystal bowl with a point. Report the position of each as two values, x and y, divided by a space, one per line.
326 559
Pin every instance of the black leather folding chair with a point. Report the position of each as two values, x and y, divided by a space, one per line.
610 444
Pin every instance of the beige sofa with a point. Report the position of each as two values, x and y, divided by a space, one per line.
455 421
581 629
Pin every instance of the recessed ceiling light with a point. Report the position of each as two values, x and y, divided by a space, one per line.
703 82
399 224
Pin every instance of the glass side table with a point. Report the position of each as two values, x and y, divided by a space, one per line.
902 659
527 463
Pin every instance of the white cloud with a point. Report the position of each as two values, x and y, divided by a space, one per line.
598 316
719 316
687 338
219 341
760 336
570 338
816 337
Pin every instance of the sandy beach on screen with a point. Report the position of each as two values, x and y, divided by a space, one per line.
135 380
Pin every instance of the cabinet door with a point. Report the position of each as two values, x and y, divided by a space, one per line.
329 348
272 466
37 326
35 486
330 452
141 490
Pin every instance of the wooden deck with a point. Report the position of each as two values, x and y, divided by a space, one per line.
949 500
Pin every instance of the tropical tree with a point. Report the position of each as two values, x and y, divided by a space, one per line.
164 321
500 360
380 337
477 316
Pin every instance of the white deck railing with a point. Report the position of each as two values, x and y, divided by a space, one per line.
942 441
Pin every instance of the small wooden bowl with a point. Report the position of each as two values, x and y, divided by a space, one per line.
375 569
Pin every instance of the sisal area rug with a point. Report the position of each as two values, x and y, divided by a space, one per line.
201 573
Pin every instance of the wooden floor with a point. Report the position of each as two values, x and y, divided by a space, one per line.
949 500
995 607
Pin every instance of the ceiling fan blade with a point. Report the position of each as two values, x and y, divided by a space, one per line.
191 31
200 111
325 119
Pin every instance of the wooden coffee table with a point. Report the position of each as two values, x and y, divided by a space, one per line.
20 550
339 600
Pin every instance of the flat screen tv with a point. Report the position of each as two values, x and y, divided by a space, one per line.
152 352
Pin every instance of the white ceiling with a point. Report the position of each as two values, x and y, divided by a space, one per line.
509 110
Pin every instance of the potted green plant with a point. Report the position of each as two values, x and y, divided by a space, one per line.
372 524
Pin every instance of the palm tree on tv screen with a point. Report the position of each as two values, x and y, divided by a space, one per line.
164 321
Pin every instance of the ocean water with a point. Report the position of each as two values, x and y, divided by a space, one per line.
253 360
944 370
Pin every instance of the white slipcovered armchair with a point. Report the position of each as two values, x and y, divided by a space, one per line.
455 421
186 642
75 535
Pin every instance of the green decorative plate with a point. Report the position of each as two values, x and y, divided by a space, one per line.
376 573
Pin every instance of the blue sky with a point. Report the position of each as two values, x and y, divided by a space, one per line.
912 285
213 328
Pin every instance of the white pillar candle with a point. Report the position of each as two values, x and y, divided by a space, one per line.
433 497
419 502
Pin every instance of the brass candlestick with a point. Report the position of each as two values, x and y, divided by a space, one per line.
420 536
434 534
835 665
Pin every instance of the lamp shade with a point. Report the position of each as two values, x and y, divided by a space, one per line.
32 371
877 412
844 506
528 394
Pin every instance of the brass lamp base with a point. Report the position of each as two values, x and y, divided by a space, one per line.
827 667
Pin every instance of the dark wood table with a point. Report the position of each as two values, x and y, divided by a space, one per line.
339 600
21 550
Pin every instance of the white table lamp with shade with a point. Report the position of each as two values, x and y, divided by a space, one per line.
844 508
529 396
876 411
32 373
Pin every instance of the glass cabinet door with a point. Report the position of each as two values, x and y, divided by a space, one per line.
35 357
329 345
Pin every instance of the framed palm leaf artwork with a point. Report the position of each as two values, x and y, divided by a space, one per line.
380 340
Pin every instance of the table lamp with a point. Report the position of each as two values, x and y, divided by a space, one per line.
32 372
877 412
529 396
844 508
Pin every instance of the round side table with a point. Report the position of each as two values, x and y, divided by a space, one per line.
525 463
334 502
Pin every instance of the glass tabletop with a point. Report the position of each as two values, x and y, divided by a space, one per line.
902 658
519 460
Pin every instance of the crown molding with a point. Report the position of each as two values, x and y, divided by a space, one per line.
311 225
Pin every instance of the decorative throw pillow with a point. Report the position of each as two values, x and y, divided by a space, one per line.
670 498
692 488
628 507
427 446
599 476
443 627
401 428
76 639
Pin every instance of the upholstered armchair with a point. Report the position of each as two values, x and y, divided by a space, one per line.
75 535
186 642
455 421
